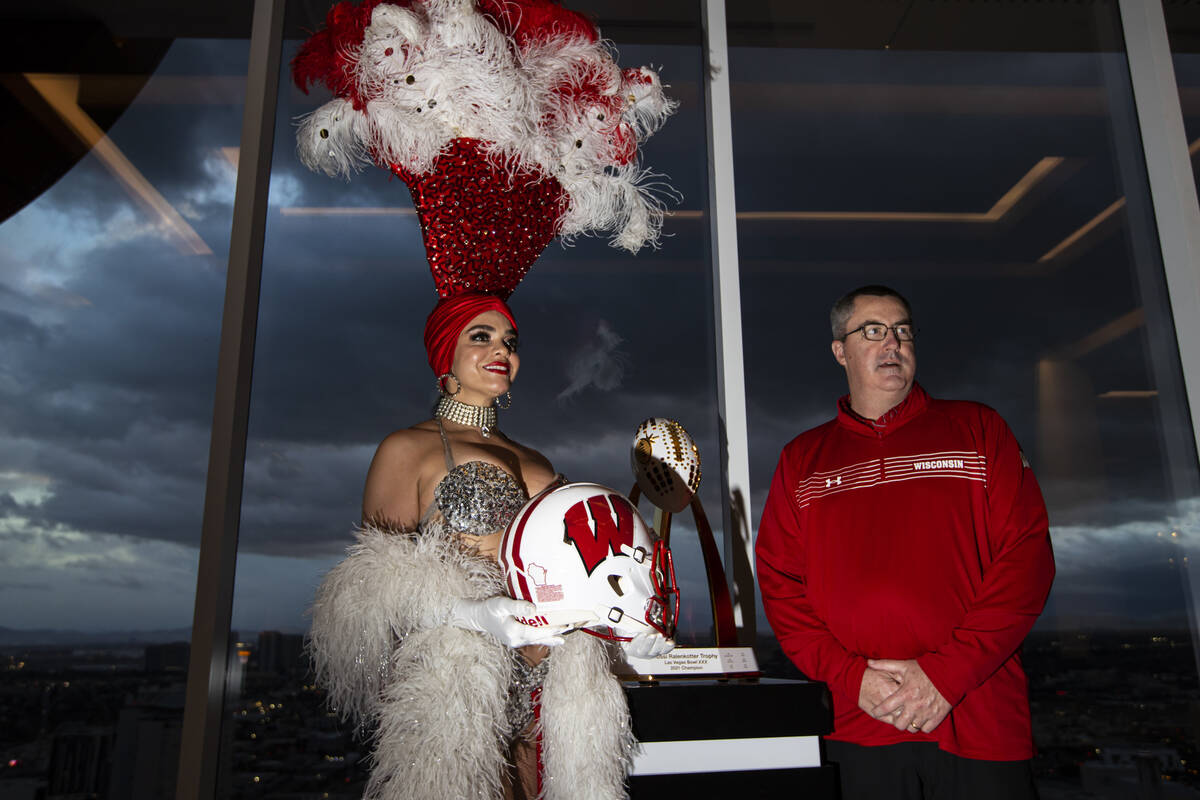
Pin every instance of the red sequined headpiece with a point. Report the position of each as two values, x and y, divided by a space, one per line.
483 228
507 119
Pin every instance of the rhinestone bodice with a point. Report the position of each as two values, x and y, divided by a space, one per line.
478 498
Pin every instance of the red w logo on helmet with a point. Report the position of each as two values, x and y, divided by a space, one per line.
598 526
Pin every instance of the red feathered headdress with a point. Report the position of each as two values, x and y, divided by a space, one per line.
508 121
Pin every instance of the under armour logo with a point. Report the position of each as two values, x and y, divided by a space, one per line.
833 481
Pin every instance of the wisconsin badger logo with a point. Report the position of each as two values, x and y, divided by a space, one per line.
598 526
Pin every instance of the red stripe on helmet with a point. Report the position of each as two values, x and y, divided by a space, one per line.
521 590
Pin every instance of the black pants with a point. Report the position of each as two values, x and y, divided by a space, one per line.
920 771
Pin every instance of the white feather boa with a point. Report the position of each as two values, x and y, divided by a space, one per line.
435 695
587 738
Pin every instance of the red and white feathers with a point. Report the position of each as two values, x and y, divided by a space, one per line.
530 80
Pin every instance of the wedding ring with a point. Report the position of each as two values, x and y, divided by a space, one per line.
914 726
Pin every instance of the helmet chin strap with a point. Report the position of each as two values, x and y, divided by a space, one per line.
604 613
610 636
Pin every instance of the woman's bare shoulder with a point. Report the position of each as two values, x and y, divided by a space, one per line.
401 466
408 445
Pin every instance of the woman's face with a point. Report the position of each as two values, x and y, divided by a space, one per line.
485 359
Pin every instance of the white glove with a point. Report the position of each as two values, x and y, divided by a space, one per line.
648 645
497 617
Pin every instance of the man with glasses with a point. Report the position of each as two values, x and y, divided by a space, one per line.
903 555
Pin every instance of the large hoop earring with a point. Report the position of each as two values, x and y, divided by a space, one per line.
507 401
441 384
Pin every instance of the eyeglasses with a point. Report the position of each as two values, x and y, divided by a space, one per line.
877 331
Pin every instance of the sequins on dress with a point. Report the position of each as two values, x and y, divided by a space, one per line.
478 498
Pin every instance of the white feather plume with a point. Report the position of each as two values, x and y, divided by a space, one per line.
647 106
330 140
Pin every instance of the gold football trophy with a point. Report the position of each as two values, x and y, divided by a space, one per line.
666 468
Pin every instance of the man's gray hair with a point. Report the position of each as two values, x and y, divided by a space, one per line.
839 315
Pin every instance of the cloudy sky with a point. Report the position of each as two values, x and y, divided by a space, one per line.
109 331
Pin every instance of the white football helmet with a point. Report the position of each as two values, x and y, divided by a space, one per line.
581 553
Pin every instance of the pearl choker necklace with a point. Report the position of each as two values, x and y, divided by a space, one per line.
482 417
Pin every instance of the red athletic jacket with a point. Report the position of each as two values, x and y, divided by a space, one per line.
923 535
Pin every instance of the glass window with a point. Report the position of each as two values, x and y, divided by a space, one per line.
608 339
983 160
1183 31
121 146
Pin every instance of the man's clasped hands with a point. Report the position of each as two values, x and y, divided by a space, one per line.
901 694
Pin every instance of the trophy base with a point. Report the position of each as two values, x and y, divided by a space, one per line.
736 738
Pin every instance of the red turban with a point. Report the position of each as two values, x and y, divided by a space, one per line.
449 318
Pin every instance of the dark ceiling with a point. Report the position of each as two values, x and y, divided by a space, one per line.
1061 25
